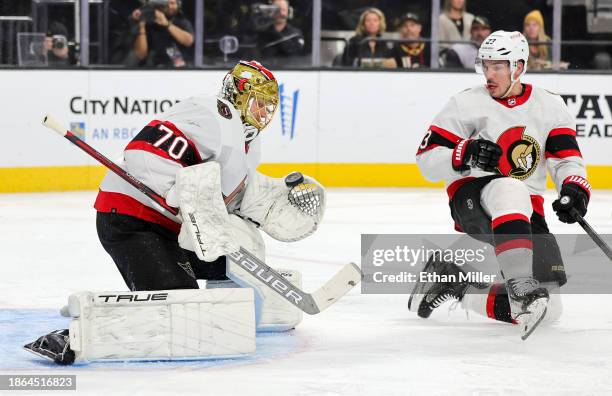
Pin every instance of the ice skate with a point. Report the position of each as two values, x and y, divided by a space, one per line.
528 302
54 346
427 296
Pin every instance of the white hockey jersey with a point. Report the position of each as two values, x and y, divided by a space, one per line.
535 131
198 129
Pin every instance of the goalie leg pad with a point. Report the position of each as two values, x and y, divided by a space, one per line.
277 314
162 325
273 312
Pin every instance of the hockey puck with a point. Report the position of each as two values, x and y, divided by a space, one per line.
293 179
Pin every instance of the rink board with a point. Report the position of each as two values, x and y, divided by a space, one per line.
349 129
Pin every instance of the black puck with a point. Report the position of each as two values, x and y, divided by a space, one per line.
293 179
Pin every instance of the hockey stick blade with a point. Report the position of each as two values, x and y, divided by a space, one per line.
340 284
349 276
311 303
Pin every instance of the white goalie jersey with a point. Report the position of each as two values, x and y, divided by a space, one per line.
198 129
535 131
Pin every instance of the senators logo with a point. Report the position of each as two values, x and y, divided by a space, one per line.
224 111
521 153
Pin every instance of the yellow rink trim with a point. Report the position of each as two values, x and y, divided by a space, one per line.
52 178
65 178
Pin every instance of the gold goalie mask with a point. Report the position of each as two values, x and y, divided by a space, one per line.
253 91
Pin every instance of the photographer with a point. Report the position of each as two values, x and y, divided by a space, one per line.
278 38
55 47
164 34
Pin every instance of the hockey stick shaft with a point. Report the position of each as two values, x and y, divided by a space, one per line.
312 304
592 233
53 124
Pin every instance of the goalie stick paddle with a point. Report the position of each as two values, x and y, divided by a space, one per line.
311 303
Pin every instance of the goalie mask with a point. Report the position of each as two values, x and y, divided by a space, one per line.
253 91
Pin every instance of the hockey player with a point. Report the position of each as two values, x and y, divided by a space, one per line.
492 145
149 245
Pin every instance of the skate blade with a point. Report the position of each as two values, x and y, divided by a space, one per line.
37 351
415 299
417 295
530 319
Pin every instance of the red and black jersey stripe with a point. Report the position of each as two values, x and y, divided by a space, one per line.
437 137
562 143
511 231
149 137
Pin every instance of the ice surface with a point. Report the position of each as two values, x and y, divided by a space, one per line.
365 344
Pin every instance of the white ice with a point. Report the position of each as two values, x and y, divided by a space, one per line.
365 344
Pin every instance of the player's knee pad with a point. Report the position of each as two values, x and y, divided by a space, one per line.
273 312
506 195
164 324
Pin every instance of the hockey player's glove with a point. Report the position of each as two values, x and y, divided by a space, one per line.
575 193
479 153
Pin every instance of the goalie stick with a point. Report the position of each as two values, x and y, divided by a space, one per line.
311 303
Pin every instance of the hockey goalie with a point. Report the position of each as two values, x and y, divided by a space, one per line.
201 156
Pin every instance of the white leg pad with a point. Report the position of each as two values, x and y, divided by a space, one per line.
277 314
273 312
162 325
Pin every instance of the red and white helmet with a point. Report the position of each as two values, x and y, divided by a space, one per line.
502 45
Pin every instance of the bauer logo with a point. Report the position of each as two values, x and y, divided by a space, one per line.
288 110
78 128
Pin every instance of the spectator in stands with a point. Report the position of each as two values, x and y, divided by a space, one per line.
363 52
454 23
409 54
280 39
464 55
540 56
602 61
55 47
164 36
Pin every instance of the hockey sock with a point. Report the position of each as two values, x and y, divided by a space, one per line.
494 304
513 245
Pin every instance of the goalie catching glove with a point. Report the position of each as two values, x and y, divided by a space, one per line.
288 209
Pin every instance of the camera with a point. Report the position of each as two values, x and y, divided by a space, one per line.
59 41
262 15
148 9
